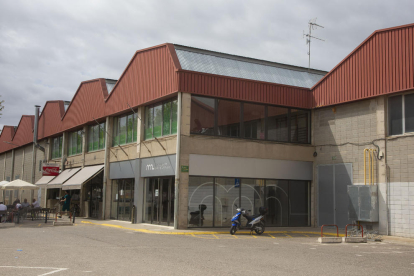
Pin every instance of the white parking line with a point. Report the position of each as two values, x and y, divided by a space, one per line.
55 269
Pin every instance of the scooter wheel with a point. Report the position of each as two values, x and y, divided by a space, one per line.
233 230
260 229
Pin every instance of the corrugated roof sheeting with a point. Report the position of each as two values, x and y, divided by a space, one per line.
211 64
24 131
382 64
6 136
245 90
88 103
50 121
150 75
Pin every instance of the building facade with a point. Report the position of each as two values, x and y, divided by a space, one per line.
186 134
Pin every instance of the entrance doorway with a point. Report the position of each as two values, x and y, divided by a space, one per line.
122 199
159 200
93 197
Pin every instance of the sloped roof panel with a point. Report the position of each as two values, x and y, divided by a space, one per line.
245 69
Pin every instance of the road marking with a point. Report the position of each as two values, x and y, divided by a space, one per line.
40 224
55 269
358 255
272 236
288 235
306 235
235 236
312 248
215 236
275 243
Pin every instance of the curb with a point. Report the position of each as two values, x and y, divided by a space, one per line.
200 232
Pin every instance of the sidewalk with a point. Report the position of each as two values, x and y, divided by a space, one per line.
169 230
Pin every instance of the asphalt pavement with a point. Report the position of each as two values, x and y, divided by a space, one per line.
100 248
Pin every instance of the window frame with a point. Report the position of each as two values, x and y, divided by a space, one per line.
116 132
404 132
152 107
71 139
92 127
242 135
60 145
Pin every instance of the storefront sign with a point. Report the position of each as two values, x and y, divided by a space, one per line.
50 170
158 166
184 168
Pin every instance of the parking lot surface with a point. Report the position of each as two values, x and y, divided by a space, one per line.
97 249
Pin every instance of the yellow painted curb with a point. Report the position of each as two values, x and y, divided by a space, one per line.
202 232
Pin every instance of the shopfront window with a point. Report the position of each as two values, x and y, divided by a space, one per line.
211 116
400 114
200 202
125 129
254 121
228 118
75 142
96 137
277 129
161 119
299 126
287 201
122 199
57 147
202 115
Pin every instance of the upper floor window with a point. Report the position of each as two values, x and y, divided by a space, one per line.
161 119
57 147
401 114
96 137
125 129
75 142
247 120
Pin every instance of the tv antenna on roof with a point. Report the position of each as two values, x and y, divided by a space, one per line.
312 26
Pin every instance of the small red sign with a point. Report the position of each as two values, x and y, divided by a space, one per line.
50 170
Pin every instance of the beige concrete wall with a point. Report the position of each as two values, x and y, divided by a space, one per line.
74 161
9 164
94 157
2 165
28 155
40 157
153 147
117 154
18 163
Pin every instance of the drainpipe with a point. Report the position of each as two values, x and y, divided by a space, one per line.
34 147
177 162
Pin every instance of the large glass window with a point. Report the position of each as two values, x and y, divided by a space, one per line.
247 120
401 114
125 129
254 121
96 137
299 126
277 119
287 201
202 115
75 142
200 202
228 118
409 112
57 147
161 119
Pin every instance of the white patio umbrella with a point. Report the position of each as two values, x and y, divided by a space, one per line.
1 184
19 184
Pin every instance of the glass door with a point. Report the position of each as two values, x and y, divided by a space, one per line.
159 201
126 196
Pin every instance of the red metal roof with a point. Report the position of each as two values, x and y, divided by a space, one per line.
382 64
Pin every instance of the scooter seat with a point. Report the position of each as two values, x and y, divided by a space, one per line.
250 218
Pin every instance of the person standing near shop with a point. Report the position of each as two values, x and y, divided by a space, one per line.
66 202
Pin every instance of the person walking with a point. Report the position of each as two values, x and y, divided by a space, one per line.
66 202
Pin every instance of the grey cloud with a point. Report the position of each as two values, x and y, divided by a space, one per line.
48 47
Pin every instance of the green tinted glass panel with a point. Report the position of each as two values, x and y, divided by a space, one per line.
148 122
115 140
122 130
134 127
102 136
79 138
96 137
157 121
174 117
130 127
90 138
166 129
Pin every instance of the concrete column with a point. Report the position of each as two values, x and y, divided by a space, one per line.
107 181
382 167
84 144
139 181
64 150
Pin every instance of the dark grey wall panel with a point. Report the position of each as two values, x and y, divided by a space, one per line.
325 195
158 166
123 169
343 178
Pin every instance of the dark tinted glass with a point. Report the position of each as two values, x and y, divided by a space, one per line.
409 112
299 126
254 121
277 129
202 115
299 205
228 118
395 115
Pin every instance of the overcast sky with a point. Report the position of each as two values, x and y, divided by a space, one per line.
48 47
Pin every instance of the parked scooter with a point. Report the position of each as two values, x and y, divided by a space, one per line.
197 217
254 223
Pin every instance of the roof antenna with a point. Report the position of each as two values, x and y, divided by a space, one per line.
312 26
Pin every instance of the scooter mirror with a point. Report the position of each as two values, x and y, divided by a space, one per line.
236 205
